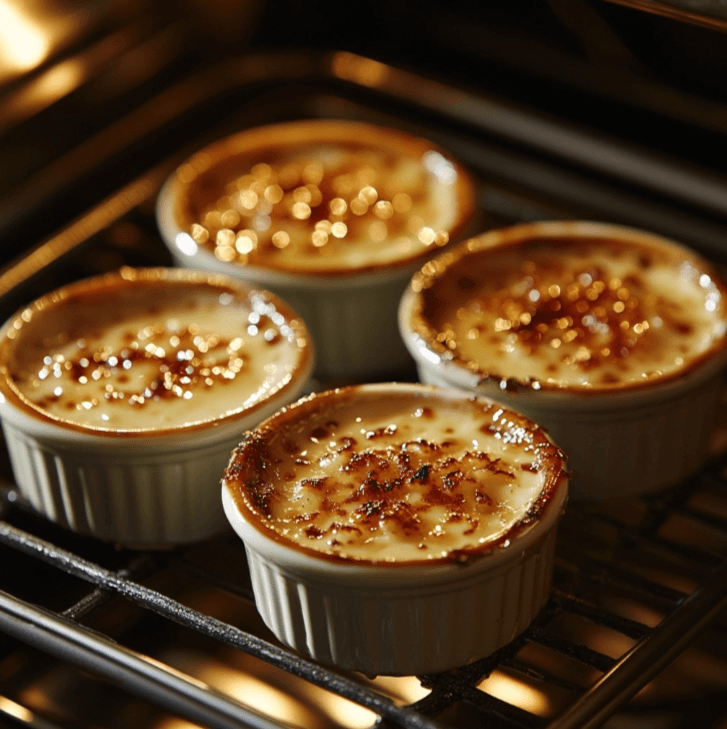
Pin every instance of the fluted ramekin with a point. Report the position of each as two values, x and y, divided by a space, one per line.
622 441
404 618
350 310
151 486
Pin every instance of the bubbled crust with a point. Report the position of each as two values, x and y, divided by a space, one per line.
336 196
440 495
151 350
584 312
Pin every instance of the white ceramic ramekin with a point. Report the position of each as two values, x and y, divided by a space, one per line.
147 488
352 318
621 442
351 313
406 618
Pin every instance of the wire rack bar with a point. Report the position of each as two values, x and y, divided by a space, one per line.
69 642
649 656
66 635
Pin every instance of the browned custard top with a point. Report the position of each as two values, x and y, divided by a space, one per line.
407 475
573 312
322 197
152 349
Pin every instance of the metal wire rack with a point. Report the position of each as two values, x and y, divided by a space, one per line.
92 635
633 587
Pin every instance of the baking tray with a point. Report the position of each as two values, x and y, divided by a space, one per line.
92 635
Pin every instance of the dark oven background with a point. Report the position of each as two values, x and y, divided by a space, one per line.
656 83
560 108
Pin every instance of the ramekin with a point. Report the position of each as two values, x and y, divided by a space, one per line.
145 488
351 313
622 441
388 618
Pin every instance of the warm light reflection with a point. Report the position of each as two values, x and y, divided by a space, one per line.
59 81
402 689
301 704
44 90
38 697
344 712
610 643
517 693
264 698
361 70
173 722
24 44
16 710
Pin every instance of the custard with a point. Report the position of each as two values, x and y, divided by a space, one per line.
413 475
150 350
584 313
321 197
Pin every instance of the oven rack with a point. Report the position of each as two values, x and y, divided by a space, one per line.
580 568
635 582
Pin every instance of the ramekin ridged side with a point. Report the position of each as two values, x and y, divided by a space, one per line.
134 490
399 619
354 326
351 318
620 444
351 313
620 451
137 500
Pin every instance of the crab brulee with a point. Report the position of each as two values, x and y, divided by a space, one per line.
394 507
612 338
333 215
123 395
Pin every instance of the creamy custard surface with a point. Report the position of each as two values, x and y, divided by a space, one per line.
322 197
395 478
573 312
148 352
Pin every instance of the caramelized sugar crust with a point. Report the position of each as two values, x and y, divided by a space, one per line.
150 349
395 477
322 197
589 313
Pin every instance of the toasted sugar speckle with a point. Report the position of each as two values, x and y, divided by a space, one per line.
409 490
564 312
375 198
152 354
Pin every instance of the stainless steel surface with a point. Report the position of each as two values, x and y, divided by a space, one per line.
708 13
95 636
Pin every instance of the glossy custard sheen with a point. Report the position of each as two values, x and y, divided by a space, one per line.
150 353
394 477
574 312
331 197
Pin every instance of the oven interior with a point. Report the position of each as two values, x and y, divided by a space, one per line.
557 116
